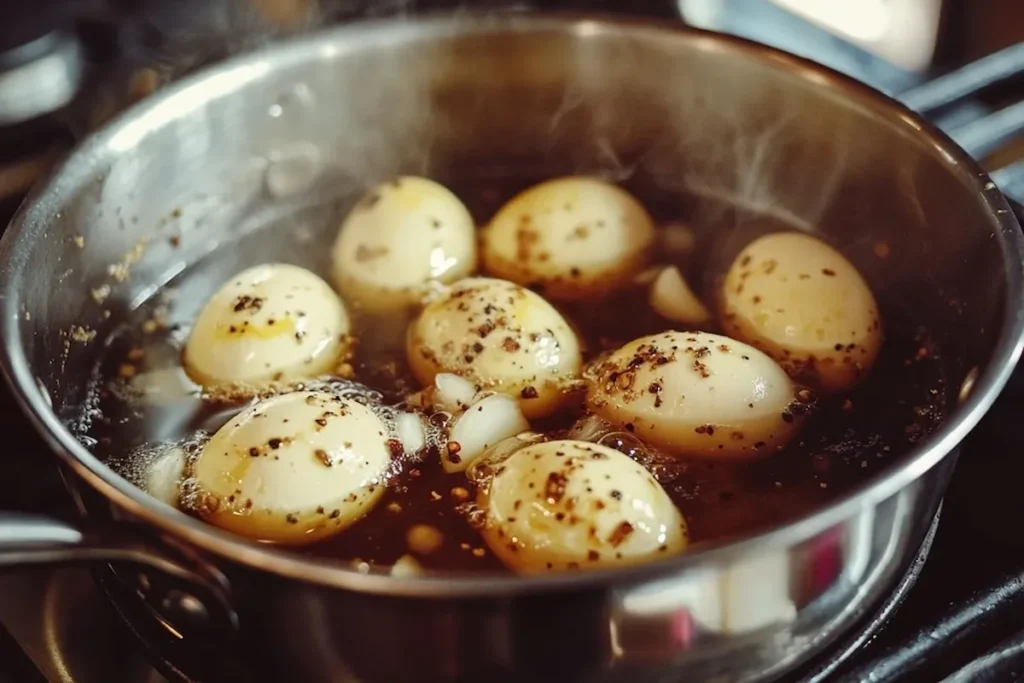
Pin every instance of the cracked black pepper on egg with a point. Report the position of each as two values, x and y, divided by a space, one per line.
574 396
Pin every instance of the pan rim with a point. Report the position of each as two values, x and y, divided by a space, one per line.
32 215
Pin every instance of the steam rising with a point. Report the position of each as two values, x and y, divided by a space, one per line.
639 107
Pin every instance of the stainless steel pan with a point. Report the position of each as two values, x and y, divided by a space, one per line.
709 116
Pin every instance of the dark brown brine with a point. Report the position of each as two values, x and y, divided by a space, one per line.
849 439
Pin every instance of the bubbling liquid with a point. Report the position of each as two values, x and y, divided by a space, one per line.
151 423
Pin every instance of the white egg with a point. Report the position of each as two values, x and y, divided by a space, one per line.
401 236
271 323
697 394
293 469
573 238
575 505
501 337
804 304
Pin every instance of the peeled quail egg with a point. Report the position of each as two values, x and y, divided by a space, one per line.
500 337
805 305
573 237
274 322
575 505
293 469
399 237
697 394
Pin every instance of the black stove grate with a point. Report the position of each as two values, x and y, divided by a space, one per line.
15 665
971 622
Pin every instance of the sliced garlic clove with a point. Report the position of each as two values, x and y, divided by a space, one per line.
672 299
483 425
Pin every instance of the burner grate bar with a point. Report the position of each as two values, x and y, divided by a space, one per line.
968 80
1001 663
1010 180
983 136
951 102
969 621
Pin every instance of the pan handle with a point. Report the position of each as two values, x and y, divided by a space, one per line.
196 595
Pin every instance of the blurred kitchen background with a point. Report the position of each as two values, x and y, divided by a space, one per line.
68 65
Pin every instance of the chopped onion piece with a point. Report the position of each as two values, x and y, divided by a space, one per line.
673 299
484 424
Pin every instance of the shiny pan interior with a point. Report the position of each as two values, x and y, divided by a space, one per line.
716 119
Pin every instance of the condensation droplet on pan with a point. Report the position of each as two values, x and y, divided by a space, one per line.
292 170
967 386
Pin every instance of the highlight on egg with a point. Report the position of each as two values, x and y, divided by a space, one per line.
292 469
400 237
500 337
804 304
571 238
568 505
268 324
699 395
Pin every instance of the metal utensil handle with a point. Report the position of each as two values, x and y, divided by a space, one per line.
29 539
977 129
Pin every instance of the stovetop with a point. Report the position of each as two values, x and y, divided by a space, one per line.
958 614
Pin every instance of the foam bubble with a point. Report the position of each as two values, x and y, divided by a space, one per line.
160 469
593 429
